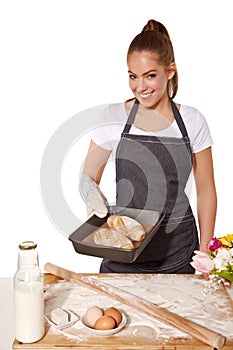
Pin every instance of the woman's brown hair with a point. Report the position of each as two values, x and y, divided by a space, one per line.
154 38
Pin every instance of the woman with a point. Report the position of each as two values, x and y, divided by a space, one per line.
156 147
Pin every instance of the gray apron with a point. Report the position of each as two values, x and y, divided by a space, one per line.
152 173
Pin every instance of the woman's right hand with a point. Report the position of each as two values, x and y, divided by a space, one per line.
93 197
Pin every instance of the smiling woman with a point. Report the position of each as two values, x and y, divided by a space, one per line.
156 143
148 79
152 51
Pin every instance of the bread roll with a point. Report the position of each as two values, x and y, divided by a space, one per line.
132 228
112 238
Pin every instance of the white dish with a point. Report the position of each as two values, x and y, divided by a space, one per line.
108 331
72 319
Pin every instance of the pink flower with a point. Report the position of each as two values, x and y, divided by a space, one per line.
202 262
214 244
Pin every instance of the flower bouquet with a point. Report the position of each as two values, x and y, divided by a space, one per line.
219 259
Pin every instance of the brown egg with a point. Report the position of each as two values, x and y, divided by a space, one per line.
105 323
113 312
92 315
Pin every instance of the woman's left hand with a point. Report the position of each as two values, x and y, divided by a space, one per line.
206 276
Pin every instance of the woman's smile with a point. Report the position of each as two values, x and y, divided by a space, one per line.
146 95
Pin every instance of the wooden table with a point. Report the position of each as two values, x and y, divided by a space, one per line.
54 339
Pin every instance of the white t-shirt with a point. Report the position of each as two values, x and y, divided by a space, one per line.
113 118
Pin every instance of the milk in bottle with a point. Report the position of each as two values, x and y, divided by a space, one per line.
28 295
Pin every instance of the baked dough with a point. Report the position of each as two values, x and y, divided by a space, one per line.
132 228
109 237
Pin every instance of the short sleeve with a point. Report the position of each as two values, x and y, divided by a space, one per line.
110 124
99 134
197 128
202 139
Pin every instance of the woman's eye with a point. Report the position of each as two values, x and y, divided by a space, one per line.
132 76
151 76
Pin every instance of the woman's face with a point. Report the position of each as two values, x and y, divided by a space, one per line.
148 79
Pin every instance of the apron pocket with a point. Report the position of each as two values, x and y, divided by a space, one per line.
171 247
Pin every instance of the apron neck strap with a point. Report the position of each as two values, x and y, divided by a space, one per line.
175 111
131 117
178 119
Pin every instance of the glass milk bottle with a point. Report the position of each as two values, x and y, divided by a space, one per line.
28 295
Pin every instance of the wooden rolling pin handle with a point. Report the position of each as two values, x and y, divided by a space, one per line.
161 314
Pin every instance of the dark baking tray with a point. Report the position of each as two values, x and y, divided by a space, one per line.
83 243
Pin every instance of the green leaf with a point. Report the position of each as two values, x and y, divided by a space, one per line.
225 275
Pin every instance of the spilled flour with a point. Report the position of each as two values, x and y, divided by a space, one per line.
178 294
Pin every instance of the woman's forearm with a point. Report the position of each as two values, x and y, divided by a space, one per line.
206 211
206 195
95 162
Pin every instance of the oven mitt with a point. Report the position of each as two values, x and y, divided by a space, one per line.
93 197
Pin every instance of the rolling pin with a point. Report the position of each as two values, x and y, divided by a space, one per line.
161 314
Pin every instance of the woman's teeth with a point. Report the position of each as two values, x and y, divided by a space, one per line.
145 95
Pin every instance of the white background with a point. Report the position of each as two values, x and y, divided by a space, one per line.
59 58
